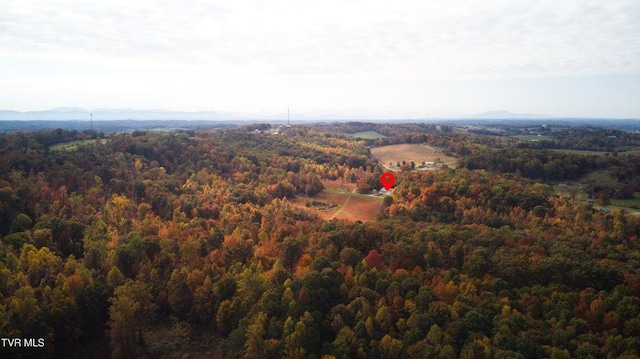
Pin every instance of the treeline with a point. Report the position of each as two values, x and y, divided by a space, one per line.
160 244
41 141
444 135
591 139
107 126
543 165
624 170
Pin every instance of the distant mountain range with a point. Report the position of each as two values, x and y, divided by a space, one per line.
81 114
499 115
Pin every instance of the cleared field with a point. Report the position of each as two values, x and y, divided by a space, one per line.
532 137
630 203
600 176
598 153
412 152
572 189
72 145
581 152
349 205
368 135
575 189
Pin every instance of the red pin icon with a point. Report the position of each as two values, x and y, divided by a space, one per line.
387 179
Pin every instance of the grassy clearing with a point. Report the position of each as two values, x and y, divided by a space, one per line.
581 152
571 189
532 137
72 145
575 191
368 135
629 203
632 210
348 205
601 176
598 153
411 152
633 152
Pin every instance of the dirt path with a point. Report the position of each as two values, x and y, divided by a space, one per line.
344 205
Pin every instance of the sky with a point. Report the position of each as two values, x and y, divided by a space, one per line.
570 58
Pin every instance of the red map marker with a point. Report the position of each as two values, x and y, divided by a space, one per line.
387 179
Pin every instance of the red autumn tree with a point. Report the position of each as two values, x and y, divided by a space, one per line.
374 259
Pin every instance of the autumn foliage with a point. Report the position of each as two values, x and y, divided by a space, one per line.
192 234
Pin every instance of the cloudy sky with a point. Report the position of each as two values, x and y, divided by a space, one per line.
405 58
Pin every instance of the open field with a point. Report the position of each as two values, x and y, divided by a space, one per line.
597 153
368 135
573 188
600 176
630 203
349 205
581 152
532 137
412 152
72 145
631 210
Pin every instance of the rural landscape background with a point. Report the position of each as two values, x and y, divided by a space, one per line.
202 179
497 241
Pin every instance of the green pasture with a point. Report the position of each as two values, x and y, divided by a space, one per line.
72 145
629 203
368 135
532 138
574 189
581 152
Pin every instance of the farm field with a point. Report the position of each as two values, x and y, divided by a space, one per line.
596 153
368 135
411 152
348 205
629 203
72 145
571 188
632 205
581 152
532 137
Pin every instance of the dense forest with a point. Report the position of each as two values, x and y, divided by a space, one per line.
185 244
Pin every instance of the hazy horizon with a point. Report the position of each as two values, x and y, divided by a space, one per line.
441 59
112 114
